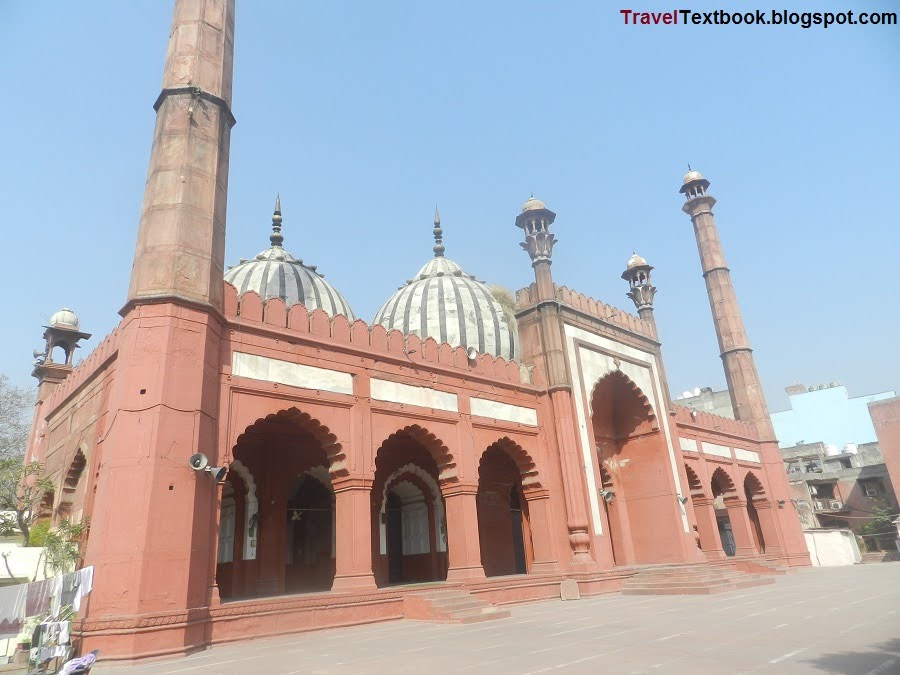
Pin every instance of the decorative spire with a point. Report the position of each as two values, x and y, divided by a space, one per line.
276 237
438 235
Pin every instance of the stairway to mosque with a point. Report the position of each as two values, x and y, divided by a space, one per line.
450 606
695 579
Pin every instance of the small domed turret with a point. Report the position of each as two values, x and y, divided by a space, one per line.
532 204
64 318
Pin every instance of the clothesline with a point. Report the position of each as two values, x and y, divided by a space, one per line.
43 598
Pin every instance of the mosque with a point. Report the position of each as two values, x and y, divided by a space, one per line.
253 459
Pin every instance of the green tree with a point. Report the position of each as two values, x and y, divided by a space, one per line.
880 527
15 409
22 490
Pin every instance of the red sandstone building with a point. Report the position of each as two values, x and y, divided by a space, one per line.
440 443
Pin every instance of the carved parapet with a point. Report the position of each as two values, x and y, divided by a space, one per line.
714 423
249 308
84 371
600 310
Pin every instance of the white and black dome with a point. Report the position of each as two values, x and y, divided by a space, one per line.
275 273
445 303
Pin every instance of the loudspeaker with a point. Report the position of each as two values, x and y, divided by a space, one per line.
607 495
471 353
217 472
198 461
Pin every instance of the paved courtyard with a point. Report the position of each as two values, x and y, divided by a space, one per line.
839 620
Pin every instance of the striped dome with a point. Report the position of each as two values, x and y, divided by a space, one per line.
275 273
445 303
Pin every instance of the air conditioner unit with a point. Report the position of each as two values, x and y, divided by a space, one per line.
871 491
818 506
836 505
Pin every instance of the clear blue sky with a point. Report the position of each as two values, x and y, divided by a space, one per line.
365 114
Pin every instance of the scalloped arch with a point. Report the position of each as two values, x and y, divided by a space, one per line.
531 479
438 502
337 458
441 454
695 485
721 484
753 486
617 375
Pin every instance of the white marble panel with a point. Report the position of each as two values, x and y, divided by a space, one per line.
688 444
292 374
483 407
423 397
746 455
717 450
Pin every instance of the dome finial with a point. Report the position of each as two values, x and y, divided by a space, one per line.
438 235
276 237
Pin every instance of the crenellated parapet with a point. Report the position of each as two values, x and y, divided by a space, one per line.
84 371
714 423
526 297
249 309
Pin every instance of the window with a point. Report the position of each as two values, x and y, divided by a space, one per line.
822 490
872 488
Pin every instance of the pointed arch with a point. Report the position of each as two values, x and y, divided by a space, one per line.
531 480
753 487
695 485
618 379
293 416
70 483
722 485
446 463
606 481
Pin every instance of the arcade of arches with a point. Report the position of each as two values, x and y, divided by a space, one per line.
278 525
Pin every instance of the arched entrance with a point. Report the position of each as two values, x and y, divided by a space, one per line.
276 520
723 487
641 507
408 515
754 490
503 524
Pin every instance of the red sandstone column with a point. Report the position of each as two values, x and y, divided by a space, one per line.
740 527
541 540
765 511
463 544
353 536
707 527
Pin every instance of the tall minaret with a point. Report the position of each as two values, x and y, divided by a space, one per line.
535 220
153 526
180 250
740 370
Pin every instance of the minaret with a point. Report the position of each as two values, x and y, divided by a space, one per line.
641 290
153 526
737 357
536 219
180 251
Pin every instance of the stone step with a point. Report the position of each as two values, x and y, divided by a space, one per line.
454 606
694 580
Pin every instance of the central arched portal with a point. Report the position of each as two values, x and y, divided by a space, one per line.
409 527
722 489
636 477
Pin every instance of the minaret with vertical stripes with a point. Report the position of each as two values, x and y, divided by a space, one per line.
737 357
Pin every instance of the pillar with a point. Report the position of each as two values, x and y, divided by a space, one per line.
463 544
765 511
353 535
707 527
541 538
740 527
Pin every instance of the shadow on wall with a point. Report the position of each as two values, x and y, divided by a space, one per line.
883 658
